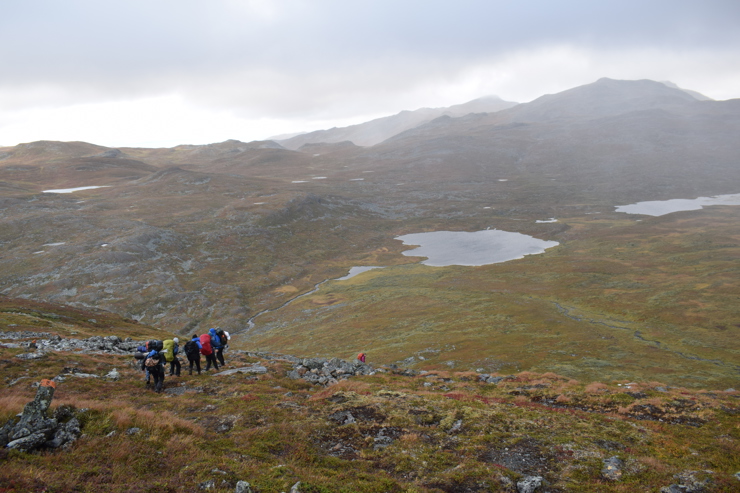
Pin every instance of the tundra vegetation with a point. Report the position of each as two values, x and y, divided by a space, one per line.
394 430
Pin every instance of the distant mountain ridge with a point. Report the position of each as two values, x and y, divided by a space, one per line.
380 129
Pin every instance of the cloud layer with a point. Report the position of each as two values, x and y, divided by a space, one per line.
266 66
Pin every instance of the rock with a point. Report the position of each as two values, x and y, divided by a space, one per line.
29 443
28 356
688 482
456 427
207 485
34 413
254 369
295 488
243 487
529 484
133 431
342 417
674 488
613 468
112 375
65 434
35 430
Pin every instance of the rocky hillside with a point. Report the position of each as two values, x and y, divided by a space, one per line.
197 236
276 423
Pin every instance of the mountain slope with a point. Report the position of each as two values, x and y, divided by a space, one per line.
199 236
378 130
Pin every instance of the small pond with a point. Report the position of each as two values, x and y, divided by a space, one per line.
71 190
443 248
662 207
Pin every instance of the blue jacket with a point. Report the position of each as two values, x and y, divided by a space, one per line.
196 339
215 339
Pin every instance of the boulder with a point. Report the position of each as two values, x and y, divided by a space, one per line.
243 487
529 484
613 468
35 430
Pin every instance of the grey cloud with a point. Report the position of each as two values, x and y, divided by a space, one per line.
296 57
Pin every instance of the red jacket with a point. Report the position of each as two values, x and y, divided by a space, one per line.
205 342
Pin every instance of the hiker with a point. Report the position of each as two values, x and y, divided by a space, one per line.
141 353
171 348
361 357
155 364
192 351
217 346
207 351
222 338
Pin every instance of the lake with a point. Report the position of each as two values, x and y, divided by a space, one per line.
71 190
491 246
662 207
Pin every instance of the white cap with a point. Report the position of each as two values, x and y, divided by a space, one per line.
176 340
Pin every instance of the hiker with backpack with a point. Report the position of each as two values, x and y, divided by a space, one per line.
192 351
141 353
217 345
207 351
171 348
154 362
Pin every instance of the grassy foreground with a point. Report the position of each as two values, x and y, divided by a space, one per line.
390 432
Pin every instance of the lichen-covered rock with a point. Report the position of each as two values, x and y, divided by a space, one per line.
613 468
35 430
529 484
243 487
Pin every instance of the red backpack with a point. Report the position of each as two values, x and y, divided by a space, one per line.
205 342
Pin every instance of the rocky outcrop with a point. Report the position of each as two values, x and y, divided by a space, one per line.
324 371
44 342
35 430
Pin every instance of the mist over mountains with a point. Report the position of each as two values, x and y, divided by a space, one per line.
202 235
378 130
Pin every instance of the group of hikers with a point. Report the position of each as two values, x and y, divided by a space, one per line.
154 355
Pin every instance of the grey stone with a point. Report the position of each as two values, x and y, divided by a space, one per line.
208 485
65 434
243 487
113 375
133 431
5 432
674 488
254 369
529 484
29 442
28 356
456 427
296 488
612 469
34 413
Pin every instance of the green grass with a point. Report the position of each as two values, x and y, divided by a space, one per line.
609 303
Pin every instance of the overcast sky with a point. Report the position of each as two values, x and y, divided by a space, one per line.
158 73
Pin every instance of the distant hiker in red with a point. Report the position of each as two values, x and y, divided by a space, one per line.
361 357
207 351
